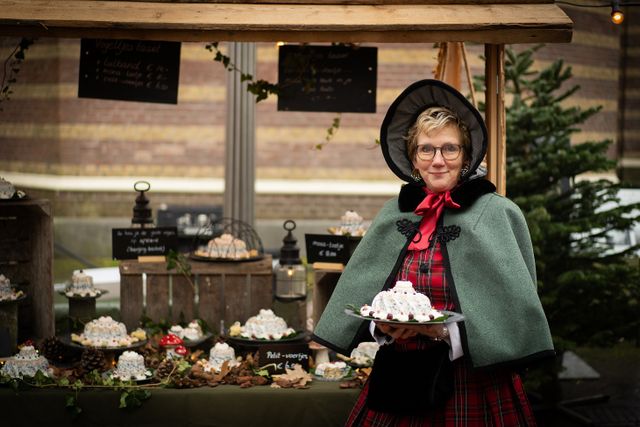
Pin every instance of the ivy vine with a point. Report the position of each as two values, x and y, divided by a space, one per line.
11 68
263 88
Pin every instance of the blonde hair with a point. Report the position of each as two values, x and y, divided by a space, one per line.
436 119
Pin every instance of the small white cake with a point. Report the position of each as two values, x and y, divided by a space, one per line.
7 189
220 353
351 224
81 286
106 332
7 293
227 247
364 353
332 370
192 332
401 303
131 367
26 364
266 326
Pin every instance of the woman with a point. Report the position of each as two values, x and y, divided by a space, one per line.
464 246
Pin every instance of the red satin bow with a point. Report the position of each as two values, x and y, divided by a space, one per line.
430 209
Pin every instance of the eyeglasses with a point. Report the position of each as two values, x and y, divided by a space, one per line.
448 151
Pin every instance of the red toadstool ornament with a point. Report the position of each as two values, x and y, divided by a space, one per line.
170 342
181 351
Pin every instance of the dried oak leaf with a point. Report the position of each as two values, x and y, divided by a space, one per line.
296 377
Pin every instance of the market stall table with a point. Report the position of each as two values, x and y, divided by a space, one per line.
324 404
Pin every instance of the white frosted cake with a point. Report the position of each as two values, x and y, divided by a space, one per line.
7 293
106 332
266 326
192 332
81 286
26 364
350 225
220 353
227 247
364 353
401 303
131 367
332 370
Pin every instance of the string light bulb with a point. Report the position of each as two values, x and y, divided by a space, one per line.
616 14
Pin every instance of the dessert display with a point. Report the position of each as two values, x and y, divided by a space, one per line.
106 332
192 332
264 326
226 246
7 190
7 293
220 353
131 367
332 370
350 225
26 364
401 303
364 353
81 286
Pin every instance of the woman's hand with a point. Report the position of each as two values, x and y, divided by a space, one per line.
435 332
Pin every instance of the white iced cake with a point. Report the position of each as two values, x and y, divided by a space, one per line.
332 370
364 353
401 303
131 367
220 353
7 293
26 364
265 326
350 225
192 332
81 286
226 247
106 332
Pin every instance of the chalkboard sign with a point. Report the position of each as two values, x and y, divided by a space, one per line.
277 357
327 78
130 243
129 70
330 248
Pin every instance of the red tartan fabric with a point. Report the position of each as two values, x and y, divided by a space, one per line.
481 398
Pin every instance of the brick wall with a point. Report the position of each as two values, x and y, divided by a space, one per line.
46 129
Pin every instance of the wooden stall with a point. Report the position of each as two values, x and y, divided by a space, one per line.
215 291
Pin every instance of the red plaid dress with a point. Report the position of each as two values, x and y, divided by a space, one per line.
481 398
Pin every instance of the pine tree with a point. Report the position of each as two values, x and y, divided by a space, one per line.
590 294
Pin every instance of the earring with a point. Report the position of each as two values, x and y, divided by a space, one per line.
416 175
464 170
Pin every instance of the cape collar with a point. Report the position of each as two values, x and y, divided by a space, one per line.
465 194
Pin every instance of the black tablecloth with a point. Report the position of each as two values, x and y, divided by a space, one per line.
323 404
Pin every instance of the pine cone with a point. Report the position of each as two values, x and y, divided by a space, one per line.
164 369
92 359
55 351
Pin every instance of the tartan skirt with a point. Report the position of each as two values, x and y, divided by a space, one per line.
481 398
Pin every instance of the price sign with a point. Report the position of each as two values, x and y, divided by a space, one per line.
129 70
277 357
131 243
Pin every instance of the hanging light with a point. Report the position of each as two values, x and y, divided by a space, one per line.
616 13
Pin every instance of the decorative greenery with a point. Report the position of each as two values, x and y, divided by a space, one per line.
11 67
263 88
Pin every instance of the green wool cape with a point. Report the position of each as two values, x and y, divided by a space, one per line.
490 269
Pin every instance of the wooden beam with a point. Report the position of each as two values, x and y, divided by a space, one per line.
495 116
487 23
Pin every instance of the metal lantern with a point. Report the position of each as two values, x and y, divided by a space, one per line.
291 276
141 211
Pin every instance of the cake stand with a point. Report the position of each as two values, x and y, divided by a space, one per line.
81 308
9 326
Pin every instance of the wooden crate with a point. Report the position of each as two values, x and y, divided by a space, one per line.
26 251
222 292
325 278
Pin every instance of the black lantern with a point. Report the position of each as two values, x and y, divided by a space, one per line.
291 276
141 211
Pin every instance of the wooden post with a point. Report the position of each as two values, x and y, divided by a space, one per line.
8 328
495 116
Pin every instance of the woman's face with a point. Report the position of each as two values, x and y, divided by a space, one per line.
439 174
